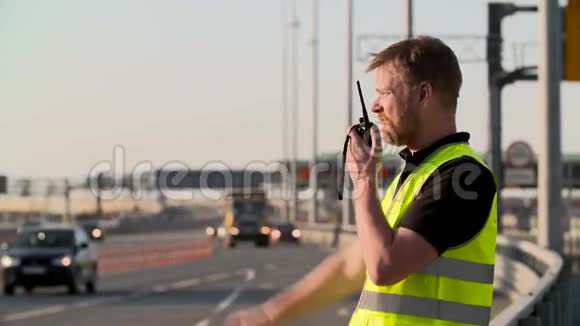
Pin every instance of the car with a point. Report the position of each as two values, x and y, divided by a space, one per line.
50 255
285 232
214 230
94 232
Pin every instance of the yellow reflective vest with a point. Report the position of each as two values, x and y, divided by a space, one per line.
455 288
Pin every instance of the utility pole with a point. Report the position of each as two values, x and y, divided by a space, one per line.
408 18
549 154
347 205
313 169
285 177
294 212
498 78
99 211
67 212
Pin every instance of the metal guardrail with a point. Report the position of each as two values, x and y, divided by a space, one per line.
545 304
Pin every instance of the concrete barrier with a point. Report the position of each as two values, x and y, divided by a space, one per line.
129 252
121 253
153 237
533 278
139 256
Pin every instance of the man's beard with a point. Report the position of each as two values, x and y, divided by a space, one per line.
398 135
392 135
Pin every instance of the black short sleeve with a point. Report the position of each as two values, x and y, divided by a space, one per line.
453 205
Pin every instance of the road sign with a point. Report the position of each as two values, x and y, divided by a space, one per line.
520 154
520 177
520 162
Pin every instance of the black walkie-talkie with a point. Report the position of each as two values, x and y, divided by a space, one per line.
363 129
364 125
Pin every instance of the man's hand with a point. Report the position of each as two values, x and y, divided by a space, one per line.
249 317
316 290
362 160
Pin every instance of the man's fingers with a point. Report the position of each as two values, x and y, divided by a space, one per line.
350 129
357 144
377 145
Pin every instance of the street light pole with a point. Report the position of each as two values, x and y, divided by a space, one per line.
313 169
347 205
294 213
408 18
67 208
284 176
549 155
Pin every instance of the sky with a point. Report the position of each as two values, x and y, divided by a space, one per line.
200 82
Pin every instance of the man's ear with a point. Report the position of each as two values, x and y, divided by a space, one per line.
425 91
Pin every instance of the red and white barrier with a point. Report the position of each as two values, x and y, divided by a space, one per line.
144 255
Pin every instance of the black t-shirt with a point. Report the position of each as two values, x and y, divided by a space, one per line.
454 203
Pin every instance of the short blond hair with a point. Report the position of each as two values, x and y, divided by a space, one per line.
424 58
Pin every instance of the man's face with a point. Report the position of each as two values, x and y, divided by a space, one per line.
394 106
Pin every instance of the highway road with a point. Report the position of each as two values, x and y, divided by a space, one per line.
575 298
199 293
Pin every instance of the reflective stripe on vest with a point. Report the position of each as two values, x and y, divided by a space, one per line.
460 269
425 307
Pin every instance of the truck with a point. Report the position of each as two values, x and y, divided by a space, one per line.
247 218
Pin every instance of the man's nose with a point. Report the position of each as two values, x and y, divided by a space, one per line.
376 108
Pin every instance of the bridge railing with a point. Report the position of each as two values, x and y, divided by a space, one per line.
520 263
547 301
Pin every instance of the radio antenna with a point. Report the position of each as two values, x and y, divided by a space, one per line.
362 101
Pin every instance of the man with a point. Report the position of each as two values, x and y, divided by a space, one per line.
429 245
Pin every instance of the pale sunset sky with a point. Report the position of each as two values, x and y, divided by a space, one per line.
198 81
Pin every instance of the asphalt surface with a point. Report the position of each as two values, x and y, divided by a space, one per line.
199 293
574 297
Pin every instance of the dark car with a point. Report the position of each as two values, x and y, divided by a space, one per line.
94 231
50 255
251 230
286 232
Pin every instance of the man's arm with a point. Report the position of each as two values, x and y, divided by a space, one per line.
390 256
338 276
451 209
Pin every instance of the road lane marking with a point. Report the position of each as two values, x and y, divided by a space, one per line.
229 300
250 274
266 286
185 284
35 313
159 289
217 277
204 322
94 302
